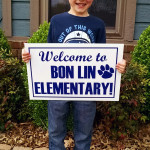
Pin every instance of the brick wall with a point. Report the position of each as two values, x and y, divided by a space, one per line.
17 48
127 51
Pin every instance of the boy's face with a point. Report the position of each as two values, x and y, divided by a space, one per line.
80 7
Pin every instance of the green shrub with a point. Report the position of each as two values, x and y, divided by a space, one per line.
40 36
124 117
141 55
37 106
13 102
3 42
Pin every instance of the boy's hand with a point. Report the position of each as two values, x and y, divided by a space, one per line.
25 56
121 66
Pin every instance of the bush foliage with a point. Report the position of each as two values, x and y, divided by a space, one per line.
123 117
4 42
13 104
37 106
141 55
40 36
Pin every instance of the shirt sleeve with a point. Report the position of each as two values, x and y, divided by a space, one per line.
101 38
50 38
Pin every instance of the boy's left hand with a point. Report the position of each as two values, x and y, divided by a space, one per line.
121 66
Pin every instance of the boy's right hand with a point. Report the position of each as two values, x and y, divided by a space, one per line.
25 56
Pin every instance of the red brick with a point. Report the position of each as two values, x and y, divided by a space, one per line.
127 57
16 45
19 53
128 48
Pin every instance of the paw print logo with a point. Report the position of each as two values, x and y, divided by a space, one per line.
106 72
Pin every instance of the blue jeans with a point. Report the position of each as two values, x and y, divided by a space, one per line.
83 114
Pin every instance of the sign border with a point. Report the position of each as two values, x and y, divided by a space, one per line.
73 97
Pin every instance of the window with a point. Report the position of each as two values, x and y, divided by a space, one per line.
113 12
104 9
119 16
57 6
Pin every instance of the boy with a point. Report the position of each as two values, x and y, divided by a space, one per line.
75 26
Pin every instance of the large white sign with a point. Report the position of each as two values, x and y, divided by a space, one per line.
74 71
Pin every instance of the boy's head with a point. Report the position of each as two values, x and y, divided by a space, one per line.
80 7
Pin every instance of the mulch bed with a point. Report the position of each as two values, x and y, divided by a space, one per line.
27 135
